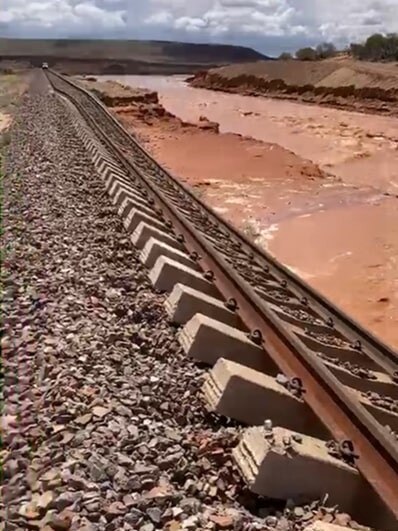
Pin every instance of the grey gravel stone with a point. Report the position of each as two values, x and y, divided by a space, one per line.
155 514
65 500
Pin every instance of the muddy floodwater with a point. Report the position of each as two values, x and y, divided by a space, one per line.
339 232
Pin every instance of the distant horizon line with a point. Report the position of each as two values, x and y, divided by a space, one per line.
118 39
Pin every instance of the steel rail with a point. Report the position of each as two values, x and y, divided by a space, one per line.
333 405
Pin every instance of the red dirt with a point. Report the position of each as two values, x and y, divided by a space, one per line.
114 94
209 161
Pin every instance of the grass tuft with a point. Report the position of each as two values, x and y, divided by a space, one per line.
5 139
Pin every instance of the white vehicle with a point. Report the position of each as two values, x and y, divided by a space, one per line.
44 66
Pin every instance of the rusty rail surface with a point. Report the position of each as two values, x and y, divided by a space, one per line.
254 282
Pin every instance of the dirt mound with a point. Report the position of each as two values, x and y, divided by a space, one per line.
330 73
145 112
291 72
140 104
155 114
207 125
360 86
114 94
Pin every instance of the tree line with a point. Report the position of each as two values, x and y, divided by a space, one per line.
377 47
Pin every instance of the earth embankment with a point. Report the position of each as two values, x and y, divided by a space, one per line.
342 83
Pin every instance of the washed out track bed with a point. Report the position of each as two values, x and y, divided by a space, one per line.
310 398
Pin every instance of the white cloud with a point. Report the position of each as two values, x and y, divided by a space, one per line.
313 19
160 18
266 24
260 17
50 14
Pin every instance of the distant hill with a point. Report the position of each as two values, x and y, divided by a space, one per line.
112 56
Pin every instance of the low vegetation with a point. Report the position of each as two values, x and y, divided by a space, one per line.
322 51
6 71
5 138
377 47
11 86
285 56
325 50
306 54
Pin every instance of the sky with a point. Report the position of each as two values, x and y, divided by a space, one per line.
270 26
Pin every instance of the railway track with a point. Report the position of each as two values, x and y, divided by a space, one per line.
282 355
